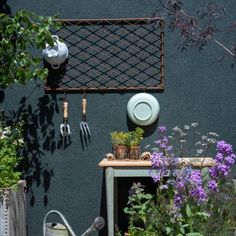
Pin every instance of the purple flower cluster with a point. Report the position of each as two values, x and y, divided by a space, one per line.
213 185
189 184
224 160
185 186
163 158
186 182
196 189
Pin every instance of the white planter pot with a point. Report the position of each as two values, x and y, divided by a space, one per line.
13 210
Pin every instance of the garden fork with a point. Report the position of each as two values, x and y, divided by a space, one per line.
65 127
84 128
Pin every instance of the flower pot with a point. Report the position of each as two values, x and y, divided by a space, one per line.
13 210
135 153
120 152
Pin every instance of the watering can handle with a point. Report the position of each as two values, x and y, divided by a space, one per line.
63 219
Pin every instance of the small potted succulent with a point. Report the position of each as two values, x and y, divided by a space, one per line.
135 138
119 142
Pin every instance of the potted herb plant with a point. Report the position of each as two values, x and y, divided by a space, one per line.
119 142
135 138
127 144
19 34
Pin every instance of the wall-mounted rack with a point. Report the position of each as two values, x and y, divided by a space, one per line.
110 55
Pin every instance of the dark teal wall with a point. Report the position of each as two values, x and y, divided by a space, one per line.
198 89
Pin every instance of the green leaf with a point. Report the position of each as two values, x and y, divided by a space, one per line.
188 210
203 214
182 229
194 234
168 230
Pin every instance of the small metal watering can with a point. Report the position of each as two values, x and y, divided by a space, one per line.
57 229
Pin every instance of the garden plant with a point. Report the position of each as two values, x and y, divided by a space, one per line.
127 144
188 201
21 35
199 27
11 140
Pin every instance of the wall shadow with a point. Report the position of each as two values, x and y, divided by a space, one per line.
4 7
148 130
39 138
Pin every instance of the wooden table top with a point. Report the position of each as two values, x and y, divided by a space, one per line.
194 161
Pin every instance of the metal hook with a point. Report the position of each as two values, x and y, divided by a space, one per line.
84 94
65 96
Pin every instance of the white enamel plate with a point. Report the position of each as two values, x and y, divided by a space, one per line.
143 109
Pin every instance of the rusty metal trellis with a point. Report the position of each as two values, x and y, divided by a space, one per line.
110 55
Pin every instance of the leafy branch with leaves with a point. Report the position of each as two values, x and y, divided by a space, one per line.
19 35
198 28
11 140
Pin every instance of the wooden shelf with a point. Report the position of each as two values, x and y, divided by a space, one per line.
194 161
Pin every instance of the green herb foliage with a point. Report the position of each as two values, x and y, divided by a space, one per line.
119 138
129 139
135 137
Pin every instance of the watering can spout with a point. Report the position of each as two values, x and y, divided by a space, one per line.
98 224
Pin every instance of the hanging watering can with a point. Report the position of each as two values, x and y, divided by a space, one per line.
57 229
57 54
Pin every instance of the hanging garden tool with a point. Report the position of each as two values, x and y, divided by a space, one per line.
84 128
65 127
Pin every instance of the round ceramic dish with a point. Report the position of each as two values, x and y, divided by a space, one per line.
143 109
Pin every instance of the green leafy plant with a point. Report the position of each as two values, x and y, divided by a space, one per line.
135 137
11 140
19 34
139 209
119 138
129 139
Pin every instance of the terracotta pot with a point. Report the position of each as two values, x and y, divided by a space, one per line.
135 153
120 152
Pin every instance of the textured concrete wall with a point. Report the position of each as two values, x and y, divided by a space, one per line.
198 89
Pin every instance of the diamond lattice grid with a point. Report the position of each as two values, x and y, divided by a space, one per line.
110 55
